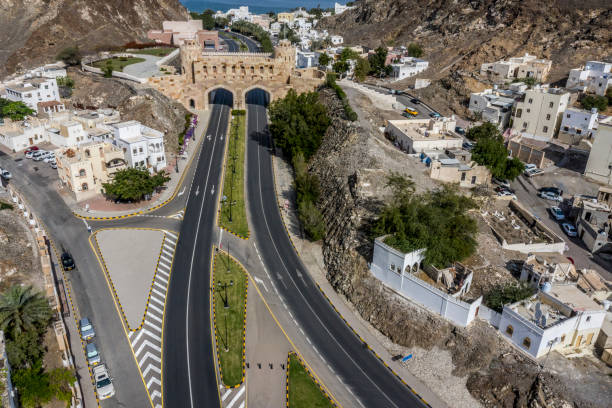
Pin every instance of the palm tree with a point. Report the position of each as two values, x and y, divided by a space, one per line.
22 309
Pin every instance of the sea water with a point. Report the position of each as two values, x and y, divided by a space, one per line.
258 7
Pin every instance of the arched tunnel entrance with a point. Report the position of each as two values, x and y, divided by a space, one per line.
257 96
221 96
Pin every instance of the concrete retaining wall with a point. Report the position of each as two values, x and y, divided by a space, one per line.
116 74
168 57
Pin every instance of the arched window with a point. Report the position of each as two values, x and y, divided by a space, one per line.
527 342
415 267
192 103
84 187
82 173
87 153
509 330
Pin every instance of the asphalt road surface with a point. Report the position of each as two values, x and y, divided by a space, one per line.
189 378
363 373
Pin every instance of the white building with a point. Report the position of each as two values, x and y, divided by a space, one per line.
336 39
421 135
578 124
143 147
599 165
67 134
408 67
241 13
33 91
275 28
494 105
47 71
17 136
561 317
594 77
439 291
341 8
540 269
307 59
539 115
527 66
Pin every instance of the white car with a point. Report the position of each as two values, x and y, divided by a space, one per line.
551 196
104 385
532 172
50 157
530 166
38 155
29 155
569 229
6 174
506 193
557 213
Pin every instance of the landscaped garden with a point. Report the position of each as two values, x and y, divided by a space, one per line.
117 63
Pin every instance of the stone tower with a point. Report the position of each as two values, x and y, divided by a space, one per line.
190 52
285 53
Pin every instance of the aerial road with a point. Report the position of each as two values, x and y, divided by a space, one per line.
364 374
189 376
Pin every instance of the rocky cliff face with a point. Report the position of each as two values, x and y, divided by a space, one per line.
34 31
350 167
134 102
459 35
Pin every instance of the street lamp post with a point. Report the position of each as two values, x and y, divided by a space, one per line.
224 287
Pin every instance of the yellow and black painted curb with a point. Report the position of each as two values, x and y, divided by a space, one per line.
220 208
246 291
112 284
312 377
75 313
156 207
370 348
330 302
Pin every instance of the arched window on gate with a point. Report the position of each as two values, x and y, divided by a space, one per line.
191 103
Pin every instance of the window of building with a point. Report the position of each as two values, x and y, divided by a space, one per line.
473 179
548 116
550 105
568 116
579 131
528 110
140 149
82 173
462 176
509 330
588 319
87 153
545 129
527 342
134 151
565 128
392 267
524 125
530 100
563 338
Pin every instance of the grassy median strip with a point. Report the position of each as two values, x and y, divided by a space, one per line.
304 392
233 208
230 290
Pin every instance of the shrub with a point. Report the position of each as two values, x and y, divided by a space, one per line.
415 50
330 81
6 206
501 295
70 55
594 101
133 184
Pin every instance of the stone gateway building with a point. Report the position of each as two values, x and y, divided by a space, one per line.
237 72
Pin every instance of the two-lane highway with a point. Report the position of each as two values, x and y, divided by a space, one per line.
189 377
363 373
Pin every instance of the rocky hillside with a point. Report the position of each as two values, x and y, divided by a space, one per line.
351 165
134 102
34 31
459 35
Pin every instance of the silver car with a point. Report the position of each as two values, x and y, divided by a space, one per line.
104 385
93 356
87 331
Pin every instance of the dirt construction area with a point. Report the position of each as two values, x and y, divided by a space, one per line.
19 261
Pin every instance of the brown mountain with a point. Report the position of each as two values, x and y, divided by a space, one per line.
34 31
459 35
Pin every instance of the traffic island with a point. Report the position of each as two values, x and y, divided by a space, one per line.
229 312
303 391
233 209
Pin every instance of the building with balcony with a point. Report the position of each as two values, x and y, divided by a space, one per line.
143 146
33 91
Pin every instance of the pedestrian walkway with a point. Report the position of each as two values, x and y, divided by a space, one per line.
146 341
145 69
233 397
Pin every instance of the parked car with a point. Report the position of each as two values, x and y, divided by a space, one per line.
557 213
459 130
93 356
67 262
415 100
502 188
434 115
53 165
411 111
553 190
532 172
39 155
547 195
31 149
468 145
87 331
104 385
506 193
50 157
503 183
29 155
6 174
569 229
530 166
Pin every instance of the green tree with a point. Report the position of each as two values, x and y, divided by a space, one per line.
65 81
21 309
378 62
362 68
255 31
312 220
324 59
133 184
415 50
60 380
24 349
108 69
594 101
505 294
33 385
340 67
70 55
491 152
14 110
348 54
207 17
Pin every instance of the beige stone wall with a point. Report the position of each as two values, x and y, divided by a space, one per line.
236 72
450 174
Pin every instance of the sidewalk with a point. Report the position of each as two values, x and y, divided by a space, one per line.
102 207
312 257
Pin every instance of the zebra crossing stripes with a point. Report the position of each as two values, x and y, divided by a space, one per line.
147 341
179 215
233 397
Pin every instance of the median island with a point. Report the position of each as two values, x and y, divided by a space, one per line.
229 291
302 390
233 209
